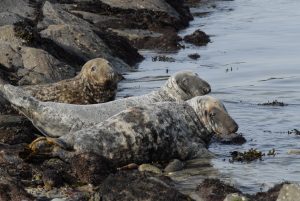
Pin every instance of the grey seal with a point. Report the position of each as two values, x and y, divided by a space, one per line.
57 119
154 132
96 83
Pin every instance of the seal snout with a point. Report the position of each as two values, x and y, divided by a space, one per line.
234 128
207 90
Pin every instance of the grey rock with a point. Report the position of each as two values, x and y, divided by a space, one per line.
32 65
154 5
174 165
76 35
21 7
8 35
9 18
235 197
135 186
289 192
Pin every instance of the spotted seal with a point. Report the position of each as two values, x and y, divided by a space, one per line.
154 132
57 119
96 83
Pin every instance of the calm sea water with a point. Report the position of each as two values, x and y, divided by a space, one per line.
254 58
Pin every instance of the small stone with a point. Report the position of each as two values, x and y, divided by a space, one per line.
174 165
235 197
198 38
52 178
149 168
194 56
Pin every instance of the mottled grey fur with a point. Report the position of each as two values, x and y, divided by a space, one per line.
57 119
153 132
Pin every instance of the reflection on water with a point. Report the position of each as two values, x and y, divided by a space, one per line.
254 58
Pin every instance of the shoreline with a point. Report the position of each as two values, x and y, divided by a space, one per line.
46 42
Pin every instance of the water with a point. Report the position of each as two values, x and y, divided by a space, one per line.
254 58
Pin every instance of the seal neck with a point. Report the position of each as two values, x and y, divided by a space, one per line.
199 105
171 92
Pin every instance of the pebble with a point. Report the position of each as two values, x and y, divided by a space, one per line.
149 168
174 165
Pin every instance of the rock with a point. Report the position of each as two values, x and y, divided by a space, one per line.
146 14
53 14
16 129
83 43
8 35
149 168
214 190
41 67
235 197
174 165
135 186
28 65
270 195
22 8
9 18
91 168
198 38
51 178
10 190
77 36
194 56
289 192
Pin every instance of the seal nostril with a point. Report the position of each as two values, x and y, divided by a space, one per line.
206 90
235 128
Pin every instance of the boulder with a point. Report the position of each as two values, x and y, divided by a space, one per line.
134 186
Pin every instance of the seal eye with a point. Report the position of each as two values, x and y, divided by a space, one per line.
93 68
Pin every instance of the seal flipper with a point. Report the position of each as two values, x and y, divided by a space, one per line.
50 147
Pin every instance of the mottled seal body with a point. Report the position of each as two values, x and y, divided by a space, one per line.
159 131
57 119
96 83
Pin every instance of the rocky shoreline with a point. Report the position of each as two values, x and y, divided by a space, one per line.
48 41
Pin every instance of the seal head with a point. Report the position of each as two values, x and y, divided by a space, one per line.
185 85
213 114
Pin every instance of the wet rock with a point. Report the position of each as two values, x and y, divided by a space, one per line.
16 129
289 192
91 168
215 190
174 165
12 191
146 39
149 168
235 197
163 58
82 42
194 56
294 131
134 186
52 178
271 195
198 38
120 47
